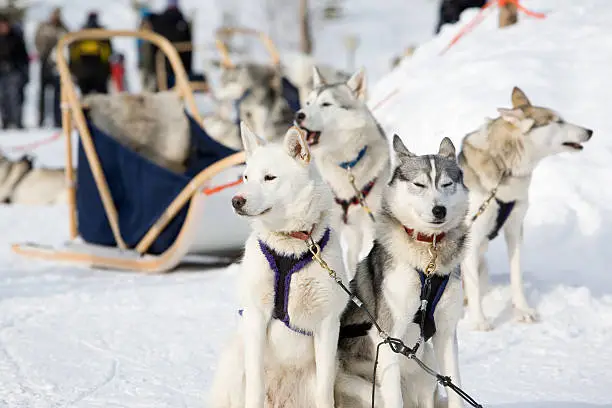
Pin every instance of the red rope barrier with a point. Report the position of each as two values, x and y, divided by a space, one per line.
31 146
214 190
480 17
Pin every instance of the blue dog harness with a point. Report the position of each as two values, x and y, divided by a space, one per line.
432 289
505 209
237 103
284 267
347 165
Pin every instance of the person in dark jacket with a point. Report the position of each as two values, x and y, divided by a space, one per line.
450 10
14 74
172 25
90 60
47 35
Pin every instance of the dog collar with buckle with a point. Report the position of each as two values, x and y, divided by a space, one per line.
421 237
301 235
352 163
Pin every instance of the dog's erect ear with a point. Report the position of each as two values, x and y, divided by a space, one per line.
519 99
296 146
250 140
447 149
400 148
358 84
517 118
317 78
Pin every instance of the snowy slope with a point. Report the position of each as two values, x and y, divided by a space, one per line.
561 62
83 338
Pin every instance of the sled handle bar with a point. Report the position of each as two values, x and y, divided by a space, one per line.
226 61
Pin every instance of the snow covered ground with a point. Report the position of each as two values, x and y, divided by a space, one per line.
73 337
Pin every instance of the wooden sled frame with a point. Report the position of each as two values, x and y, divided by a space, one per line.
162 75
265 39
72 110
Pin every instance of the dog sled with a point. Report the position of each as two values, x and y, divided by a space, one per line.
129 213
289 91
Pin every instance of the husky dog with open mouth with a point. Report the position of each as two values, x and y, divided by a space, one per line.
285 352
352 154
410 280
498 161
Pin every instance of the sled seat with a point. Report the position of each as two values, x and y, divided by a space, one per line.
141 189
128 212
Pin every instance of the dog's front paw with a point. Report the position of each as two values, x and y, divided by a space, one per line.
526 315
482 325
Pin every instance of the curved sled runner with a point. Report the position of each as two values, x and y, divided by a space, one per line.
149 218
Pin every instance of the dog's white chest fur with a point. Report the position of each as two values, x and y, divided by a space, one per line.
312 296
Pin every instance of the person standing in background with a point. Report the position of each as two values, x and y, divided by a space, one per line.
14 74
47 35
172 25
90 60
450 10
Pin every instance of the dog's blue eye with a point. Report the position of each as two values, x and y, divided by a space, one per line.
325 104
419 185
269 178
447 184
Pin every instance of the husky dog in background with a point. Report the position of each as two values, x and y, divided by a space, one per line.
423 211
285 354
252 93
21 183
299 71
498 161
346 141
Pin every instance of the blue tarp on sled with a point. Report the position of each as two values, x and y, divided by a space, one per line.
141 190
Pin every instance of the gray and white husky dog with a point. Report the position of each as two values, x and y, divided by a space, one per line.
285 352
422 214
346 141
502 155
252 93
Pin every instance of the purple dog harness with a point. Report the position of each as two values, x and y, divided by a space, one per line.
284 267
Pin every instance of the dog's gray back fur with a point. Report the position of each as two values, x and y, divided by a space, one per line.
263 90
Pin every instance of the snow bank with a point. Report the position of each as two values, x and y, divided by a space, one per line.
561 62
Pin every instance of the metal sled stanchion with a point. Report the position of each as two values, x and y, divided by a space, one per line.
136 256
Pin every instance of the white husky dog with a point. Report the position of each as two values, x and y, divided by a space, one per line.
285 354
498 161
346 141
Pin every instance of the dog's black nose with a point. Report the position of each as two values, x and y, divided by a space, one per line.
300 116
439 212
238 202
589 133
